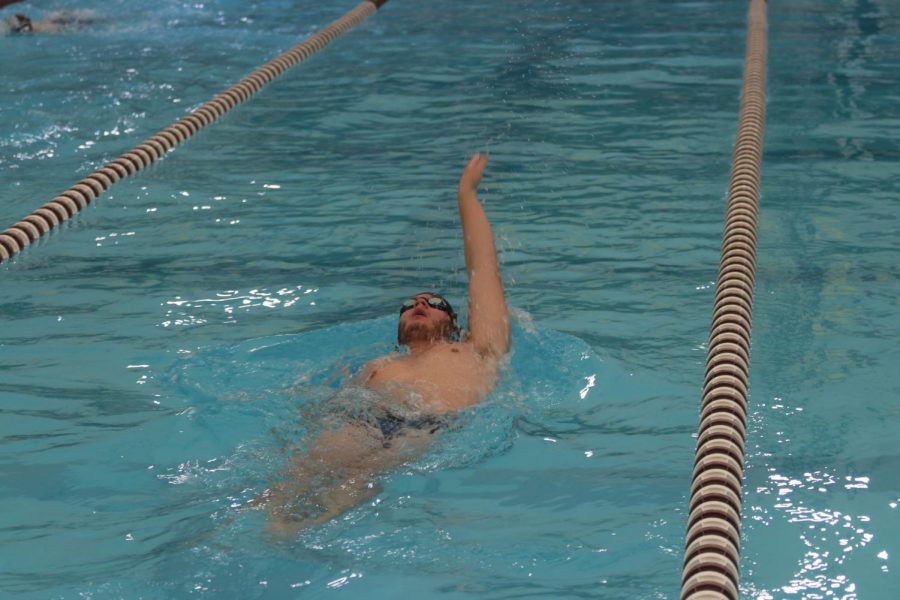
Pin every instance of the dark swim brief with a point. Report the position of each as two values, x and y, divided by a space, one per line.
367 408
391 425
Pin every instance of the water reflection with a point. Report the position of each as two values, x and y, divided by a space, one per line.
228 304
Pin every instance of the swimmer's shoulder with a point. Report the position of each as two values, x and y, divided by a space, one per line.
371 368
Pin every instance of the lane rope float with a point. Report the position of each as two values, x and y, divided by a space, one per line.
712 545
66 205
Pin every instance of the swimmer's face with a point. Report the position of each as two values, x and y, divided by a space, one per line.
421 321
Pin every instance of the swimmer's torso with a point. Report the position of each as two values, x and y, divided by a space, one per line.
446 377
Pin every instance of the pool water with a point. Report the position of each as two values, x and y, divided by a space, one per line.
159 349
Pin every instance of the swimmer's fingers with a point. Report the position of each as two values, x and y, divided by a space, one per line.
471 177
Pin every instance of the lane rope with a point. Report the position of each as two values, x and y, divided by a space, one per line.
712 545
66 205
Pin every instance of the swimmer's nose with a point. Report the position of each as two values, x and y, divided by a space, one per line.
421 306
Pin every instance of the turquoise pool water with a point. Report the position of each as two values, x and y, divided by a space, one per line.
137 421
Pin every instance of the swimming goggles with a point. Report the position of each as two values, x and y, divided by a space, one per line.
434 302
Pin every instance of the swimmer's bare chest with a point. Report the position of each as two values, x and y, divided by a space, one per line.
446 377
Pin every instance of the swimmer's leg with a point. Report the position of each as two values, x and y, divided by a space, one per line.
336 475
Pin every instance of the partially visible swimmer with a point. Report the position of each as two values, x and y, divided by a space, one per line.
54 22
395 405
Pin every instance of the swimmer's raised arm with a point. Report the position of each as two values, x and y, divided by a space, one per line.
488 315
8 2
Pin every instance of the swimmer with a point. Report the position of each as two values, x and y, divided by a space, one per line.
55 22
404 398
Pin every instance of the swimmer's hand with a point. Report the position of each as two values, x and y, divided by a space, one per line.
471 177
